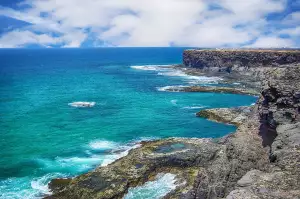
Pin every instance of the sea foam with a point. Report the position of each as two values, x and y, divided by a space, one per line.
161 186
35 187
41 184
171 88
193 107
151 67
103 145
27 187
82 104
192 78
168 70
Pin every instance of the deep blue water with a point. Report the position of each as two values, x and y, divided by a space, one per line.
42 137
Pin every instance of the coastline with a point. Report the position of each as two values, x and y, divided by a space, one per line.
235 166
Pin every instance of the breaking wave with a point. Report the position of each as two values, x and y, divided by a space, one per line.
161 186
97 153
168 70
151 67
171 88
103 144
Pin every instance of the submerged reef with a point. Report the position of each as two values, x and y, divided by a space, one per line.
260 160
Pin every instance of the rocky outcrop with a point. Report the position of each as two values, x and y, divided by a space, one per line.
204 167
260 160
282 179
236 116
141 165
213 89
239 60
278 111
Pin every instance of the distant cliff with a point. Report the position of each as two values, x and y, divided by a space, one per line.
238 60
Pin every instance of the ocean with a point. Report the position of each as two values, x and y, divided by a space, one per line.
44 136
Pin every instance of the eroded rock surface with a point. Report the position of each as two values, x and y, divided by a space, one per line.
239 60
236 116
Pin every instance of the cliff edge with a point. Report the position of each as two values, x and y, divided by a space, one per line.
231 60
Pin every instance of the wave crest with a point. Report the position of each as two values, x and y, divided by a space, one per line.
82 104
103 144
151 67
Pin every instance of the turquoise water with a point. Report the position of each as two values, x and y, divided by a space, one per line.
42 137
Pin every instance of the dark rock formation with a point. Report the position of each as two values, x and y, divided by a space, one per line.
213 89
239 60
59 184
260 160
140 165
236 116
278 112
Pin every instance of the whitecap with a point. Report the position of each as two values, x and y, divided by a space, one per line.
161 186
193 107
41 184
174 73
151 67
196 79
103 144
174 102
171 88
82 104
168 70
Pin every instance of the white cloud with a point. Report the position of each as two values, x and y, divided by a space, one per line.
151 23
291 31
21 38
293 18
271 42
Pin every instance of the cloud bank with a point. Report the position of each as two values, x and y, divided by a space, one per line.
197 23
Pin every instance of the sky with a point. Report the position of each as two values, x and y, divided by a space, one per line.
149 23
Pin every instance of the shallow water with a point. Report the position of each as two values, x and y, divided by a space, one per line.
42 137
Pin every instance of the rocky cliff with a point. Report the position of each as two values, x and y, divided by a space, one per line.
239 59
260 160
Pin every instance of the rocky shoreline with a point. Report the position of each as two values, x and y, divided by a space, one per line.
213 89
235 116
260 160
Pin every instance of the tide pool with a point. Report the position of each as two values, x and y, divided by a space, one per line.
43 137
